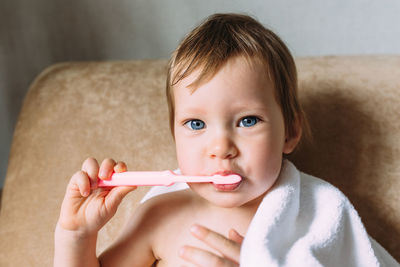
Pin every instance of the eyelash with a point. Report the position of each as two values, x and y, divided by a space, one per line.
189 122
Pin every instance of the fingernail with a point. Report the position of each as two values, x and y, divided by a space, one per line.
104 174
120 169
195 229
86 193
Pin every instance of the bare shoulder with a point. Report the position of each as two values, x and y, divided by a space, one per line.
136 243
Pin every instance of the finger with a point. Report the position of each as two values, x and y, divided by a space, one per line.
80 182
203 258
91 167
106 169
235 236
230 249
115 196
120 167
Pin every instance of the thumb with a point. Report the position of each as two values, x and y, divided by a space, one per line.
115 196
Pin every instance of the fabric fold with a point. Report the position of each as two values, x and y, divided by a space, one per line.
305 221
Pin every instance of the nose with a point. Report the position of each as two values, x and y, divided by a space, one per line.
222 147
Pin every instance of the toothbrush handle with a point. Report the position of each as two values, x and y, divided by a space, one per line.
193 179
165 178
144 178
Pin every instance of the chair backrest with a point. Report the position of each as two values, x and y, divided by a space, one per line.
353 105
118 109
73 111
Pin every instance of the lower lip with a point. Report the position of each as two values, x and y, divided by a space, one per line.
227 187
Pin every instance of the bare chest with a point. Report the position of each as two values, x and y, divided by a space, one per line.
176 234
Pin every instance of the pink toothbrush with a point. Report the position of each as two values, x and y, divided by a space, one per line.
165 178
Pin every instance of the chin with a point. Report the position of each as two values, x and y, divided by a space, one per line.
235 201
226 205
232 199
225 200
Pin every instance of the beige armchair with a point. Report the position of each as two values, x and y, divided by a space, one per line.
118 109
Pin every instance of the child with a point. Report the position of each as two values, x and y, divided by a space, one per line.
232 95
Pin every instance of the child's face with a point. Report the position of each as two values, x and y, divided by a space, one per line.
231 123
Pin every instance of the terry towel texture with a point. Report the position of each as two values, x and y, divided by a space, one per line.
305 221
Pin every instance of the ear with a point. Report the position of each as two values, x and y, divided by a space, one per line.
292 141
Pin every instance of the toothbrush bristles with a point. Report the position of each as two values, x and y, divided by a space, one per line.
226 179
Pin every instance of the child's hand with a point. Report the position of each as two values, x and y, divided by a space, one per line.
228 247
86 208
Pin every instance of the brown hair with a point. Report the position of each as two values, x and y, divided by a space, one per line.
223 36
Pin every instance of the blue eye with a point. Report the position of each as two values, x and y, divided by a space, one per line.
248 121
195 124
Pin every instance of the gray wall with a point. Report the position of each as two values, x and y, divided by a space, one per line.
35 34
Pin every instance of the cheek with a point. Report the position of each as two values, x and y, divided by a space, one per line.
188 155
264 156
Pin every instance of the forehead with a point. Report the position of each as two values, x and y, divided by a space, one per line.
238 80
243 66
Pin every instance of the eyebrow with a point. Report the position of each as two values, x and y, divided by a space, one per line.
191 110
198 111
255 108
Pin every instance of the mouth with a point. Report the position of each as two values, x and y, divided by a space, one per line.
227 187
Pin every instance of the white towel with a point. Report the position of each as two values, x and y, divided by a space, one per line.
305 221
